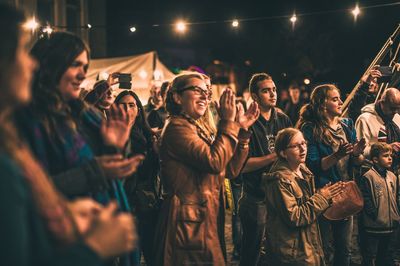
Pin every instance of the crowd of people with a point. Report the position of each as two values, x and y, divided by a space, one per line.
93 179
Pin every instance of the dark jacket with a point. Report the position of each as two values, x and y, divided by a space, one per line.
156 118
25 241
191 223
67 155
262 142
293 208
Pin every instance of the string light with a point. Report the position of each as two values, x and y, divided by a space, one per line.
180 26
31 24
293 19
235 23
356 11
307 81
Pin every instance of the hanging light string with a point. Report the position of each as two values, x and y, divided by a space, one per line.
235 22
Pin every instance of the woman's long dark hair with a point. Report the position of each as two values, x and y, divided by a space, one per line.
55 54
141 126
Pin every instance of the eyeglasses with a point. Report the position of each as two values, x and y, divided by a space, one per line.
198 91
297 146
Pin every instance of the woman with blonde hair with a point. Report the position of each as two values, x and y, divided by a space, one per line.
333 150
193 167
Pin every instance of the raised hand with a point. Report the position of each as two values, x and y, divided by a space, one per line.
115 166
372 75
359 147
247 119
113 79
395 146
115 130
227 106
112 234
345 148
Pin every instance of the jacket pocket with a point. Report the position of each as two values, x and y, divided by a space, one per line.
191 226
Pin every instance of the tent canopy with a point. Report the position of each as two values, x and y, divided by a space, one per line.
144 68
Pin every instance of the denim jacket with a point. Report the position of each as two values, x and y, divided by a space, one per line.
318 150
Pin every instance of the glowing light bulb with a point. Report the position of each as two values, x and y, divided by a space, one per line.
31 24
235 23
293 19
180 26
356 11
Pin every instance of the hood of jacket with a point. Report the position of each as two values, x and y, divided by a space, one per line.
369 108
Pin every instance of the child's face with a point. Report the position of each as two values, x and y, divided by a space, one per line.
384 160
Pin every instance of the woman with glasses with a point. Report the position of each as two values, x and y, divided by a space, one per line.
333 150
293 204
194 164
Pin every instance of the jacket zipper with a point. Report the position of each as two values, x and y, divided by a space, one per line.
388 197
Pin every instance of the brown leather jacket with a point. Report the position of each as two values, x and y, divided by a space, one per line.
293 207
190 228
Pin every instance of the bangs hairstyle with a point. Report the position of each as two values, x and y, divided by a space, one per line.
180 82
378 148
284 138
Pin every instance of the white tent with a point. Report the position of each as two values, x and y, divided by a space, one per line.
144 68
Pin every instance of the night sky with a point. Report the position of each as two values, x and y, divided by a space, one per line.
327 47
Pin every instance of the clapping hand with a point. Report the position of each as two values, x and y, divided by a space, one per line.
344 149
227 107
359 147
112 233
395 146
115 166
330 191
115 130
246 119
